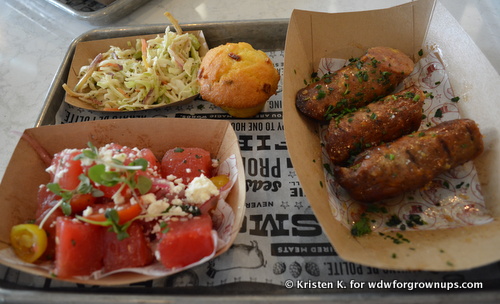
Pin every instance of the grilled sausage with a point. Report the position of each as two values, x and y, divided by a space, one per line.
374 75
410 162
382 121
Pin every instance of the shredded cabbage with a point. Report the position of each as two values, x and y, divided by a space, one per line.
127 79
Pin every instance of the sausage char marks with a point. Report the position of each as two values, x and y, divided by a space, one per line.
411 161
382 121
363 80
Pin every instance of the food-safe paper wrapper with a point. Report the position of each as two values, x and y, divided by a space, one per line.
313 36
86 51
26 171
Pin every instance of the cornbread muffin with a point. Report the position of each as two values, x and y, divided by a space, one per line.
237 78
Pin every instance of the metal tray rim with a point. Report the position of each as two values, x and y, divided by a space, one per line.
112 12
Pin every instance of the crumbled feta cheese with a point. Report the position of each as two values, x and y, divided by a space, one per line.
86 161
157 207
178 188
156 228
118 198
148 199
215 163
60 174
88 211
157 255
188 170
176 201
176 211
106 154
50 169
200 189
120 157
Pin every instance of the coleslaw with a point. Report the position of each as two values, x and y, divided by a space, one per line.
148 74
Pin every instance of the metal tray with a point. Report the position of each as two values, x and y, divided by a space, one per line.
266 35
95 12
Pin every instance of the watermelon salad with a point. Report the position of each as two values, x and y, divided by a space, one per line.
117 207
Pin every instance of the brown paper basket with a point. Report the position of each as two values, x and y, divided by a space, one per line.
26 171
87 50
312 36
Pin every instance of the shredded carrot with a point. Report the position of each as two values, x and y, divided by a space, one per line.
110 64
70 92
123 92
92 68
145 52
175 23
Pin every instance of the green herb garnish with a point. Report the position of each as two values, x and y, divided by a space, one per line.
112 220
361 227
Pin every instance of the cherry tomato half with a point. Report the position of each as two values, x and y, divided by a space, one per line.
28 241
220 180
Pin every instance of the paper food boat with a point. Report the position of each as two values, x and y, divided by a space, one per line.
313 36
26 171
86 51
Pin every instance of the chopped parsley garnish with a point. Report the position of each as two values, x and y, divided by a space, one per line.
321 95
415 219
393 221
439 113
194 210
398 239
362 76
361 227
390 156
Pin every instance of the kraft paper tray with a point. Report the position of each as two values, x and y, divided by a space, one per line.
266 35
